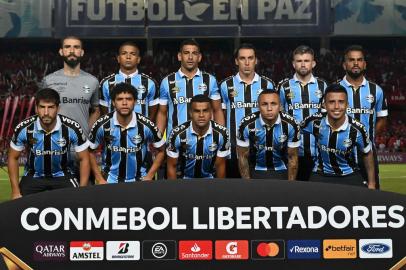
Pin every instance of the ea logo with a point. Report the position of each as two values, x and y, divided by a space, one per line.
232 248
159 250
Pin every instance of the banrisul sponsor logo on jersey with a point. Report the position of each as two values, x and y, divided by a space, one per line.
86 250
123 250
375 248
304 249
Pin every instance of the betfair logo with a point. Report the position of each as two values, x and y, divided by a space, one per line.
9 261
339 249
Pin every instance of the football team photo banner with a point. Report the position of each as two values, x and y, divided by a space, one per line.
205 224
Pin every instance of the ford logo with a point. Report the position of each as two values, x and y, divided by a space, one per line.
375 248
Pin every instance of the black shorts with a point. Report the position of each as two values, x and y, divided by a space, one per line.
274 175
354 179
31 185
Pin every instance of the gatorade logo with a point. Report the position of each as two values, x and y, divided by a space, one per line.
267 249
232 250
339 248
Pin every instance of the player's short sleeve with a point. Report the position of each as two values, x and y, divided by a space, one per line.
173 145
104 94
243 136
381 105
225 146
96 136
154 135
214 89
19 139
164 96
282 97
95 100
153 93
224 95
363 142
294 135
78 139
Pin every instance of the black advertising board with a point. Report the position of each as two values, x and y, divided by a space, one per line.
206 224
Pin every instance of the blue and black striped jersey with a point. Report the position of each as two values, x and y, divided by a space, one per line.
148 95
337 148
48 154
301 101
197 155
240 99
269 144
124 148
366 103
177 90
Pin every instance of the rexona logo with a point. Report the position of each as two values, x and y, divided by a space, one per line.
123 250
86 251
231 250
159 250
195 250
339 248
375 248
267 249
304 249
50 251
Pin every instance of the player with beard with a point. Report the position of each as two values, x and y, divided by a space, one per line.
78 89
125 136
366 101
301 96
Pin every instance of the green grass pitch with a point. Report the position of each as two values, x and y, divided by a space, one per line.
393 179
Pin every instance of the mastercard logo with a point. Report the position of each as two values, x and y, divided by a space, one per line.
268 249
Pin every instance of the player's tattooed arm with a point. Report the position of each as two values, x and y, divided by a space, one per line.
293 163
243 163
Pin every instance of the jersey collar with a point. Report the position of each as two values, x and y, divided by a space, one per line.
128 76
132 123
277 122
56 127
312 79
198 73
255 79
209 131
347 83
344 126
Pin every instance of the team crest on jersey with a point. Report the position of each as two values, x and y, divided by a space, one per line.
61 142
213 147
175 89
234 93
347 142
318 93
370 98
136 139
86 88
141 89
290 95
282 138
202 87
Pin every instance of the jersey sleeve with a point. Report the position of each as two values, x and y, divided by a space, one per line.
172 149
282 97
94 100
224 95
224 147
294 136
155 136
243 136
78 140
381 106
363 141
104 94
270 85
153 93
18 140
164 92
96 136
214 89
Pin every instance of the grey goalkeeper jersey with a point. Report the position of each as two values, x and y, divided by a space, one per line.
78 94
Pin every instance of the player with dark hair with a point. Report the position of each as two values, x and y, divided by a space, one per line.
240 94
48 137
128 58
338 137
125 136
198 147
366 101
268 141
301 96
178 88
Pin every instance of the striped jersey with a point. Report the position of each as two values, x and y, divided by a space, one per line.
240 99
269 144
197 155
177 90
48 153
147 94
124 149
337 148
301 101
366 103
